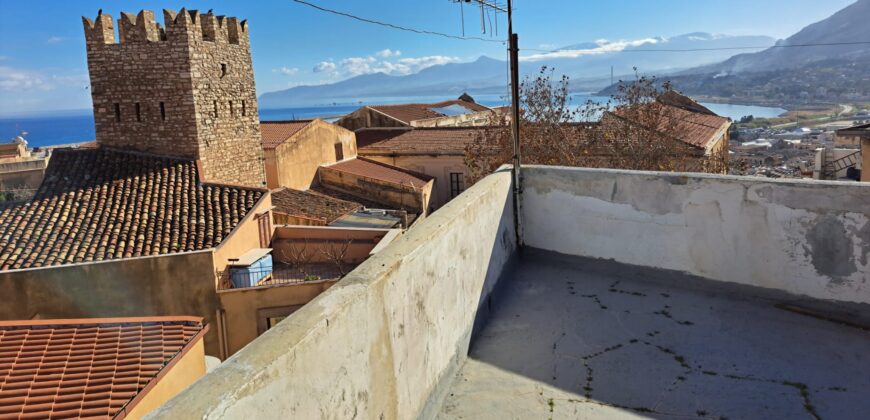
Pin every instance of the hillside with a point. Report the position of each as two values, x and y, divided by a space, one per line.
848 25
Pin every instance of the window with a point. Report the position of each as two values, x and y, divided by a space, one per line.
244 108
270 317
117 112
162 111
339 152
223 69
138 112
215 109
457 183
231 108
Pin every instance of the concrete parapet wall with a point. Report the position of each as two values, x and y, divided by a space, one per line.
377 344
806 238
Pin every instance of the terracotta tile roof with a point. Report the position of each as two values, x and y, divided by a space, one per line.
368 136
311 205
858 130
413 112
423 141
94 368
101 204
684 102
343 196
275 133
694 128
381 171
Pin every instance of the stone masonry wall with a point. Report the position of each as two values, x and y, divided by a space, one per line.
157 91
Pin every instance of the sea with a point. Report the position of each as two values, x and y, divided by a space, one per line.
66 127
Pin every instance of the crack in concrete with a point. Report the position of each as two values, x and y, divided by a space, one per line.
665 312
614 289
802 388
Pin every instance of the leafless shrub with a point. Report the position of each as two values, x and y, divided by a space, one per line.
335 252
630 131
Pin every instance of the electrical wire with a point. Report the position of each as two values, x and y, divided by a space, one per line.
830 44
393 26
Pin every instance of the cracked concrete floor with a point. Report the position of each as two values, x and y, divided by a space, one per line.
567 341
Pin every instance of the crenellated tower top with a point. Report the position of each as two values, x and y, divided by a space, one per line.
186 25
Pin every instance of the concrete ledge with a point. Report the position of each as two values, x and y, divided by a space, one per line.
378 343
808 238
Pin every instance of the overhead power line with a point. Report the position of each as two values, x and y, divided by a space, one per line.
393 26
830 44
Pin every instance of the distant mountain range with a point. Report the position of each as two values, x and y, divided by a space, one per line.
794 73
787 73
588 64
849 25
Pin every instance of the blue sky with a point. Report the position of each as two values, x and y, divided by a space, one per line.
43 65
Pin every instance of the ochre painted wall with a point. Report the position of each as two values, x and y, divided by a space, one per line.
241 307
438 166
246 236
366 117
404 197
294 164
185 371
167 285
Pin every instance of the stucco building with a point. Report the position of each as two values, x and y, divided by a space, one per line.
436 152
313 154
294 150
21 170
461 112
700 134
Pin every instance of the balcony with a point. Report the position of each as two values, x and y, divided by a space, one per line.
637 294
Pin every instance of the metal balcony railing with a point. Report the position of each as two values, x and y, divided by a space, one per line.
281 274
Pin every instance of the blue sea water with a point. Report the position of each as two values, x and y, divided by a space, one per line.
78 126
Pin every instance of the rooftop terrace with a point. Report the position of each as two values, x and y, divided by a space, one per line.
636 294
575 337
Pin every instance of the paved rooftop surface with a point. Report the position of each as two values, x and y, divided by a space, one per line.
584 339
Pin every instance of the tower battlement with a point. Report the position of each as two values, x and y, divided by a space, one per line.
185 89
184 25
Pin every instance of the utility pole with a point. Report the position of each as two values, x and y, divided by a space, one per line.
513 49
515 124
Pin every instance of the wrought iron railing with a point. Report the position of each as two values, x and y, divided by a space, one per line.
281 274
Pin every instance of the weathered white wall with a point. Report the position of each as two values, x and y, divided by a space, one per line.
377 344
807 238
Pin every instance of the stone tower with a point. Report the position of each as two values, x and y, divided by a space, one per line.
184 91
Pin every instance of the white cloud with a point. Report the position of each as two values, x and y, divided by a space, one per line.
54 40
287 71
387 53
21 80
385 61
420 63
16 80
325 67
355 66
547 46
604 47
